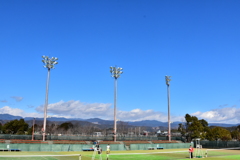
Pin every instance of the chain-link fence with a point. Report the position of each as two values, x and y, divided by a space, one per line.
219 144
159 145
56 147
85 138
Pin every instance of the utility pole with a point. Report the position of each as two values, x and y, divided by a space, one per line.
33 129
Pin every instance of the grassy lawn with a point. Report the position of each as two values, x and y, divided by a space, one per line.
166 154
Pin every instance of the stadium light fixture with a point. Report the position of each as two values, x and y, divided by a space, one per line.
49 64
115 72
167 78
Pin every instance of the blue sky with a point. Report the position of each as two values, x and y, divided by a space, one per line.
195 42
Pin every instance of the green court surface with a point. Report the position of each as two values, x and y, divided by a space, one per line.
167 154
39 156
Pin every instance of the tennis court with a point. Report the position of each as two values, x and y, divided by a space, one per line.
168 154
39 156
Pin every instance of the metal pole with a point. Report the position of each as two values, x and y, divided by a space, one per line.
116 74
169 121
115 109
46 105
33 129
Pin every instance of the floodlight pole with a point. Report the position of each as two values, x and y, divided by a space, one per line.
116 74
49 64
167 78
115 109
46 105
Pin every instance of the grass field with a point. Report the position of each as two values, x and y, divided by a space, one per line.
167 154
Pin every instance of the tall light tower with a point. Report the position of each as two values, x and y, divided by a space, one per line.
49 64
167 78
115 71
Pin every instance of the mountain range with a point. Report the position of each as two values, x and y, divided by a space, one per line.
148 123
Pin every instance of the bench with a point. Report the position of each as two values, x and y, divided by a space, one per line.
12 150
16 150
159 147
151 148
87 149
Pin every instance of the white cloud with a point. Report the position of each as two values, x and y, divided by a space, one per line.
138 115
222 115
18 112
17 98
79 109
82 110
30 106
12 111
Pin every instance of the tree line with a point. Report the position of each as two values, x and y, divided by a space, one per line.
21 127
194 128
190 129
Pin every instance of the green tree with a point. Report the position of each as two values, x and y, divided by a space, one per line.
196 129
30 130
235 134
1 128
204 123
219 133
66 126
210 135
193 128
15 127
182 129
238 128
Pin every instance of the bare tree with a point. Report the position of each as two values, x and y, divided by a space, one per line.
122 128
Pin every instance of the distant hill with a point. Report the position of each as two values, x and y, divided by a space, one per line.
53 118
153 123
223 124
8 117
11 117
148 123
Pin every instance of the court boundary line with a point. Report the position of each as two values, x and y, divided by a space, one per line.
171 151
146 153
40 155
225 148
